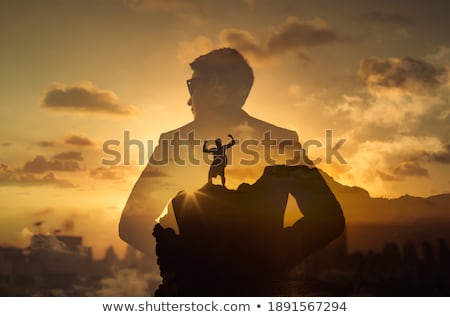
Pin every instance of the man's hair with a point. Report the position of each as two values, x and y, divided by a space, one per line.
230 67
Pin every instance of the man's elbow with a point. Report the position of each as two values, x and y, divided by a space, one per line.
339 226
127 231
124 230
331 225
336 225
136 231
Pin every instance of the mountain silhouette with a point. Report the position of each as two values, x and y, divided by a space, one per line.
373 221
359 206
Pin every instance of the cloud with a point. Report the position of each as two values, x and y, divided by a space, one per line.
294 90
398 124
396 159
387 132
387 17
40 164
405 74
6 144
440 56
388 177
43 212
294 33
77 139
111 173
106 173
442 156
410 169
83 97
292 36
435 121
49 243
189 50
196 12
398 90
46 143
377 114
127 282
10 177
26 233
69 155
244 130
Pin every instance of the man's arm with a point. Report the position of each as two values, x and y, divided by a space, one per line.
160 181
205 150
147 200
233 142
323 219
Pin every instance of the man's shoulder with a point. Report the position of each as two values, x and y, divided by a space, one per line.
183 131
276 131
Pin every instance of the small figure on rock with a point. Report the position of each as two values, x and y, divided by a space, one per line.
220 159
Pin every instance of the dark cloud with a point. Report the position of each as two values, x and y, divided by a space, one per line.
410 169
435 122
388 177
442 157
80 140
376 131
83 97
387 17
196 12
41 165
69 155
6 144
294 33
111 173
292 36
406 74
46 143
10 177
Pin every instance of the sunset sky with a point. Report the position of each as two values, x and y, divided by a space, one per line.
76 73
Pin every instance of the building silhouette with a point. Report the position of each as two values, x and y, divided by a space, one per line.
59 265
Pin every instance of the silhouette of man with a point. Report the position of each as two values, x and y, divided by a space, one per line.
220 84
219 87
220 159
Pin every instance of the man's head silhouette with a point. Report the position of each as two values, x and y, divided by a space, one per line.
218 142
220 83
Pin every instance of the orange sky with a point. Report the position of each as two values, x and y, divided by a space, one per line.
78 73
